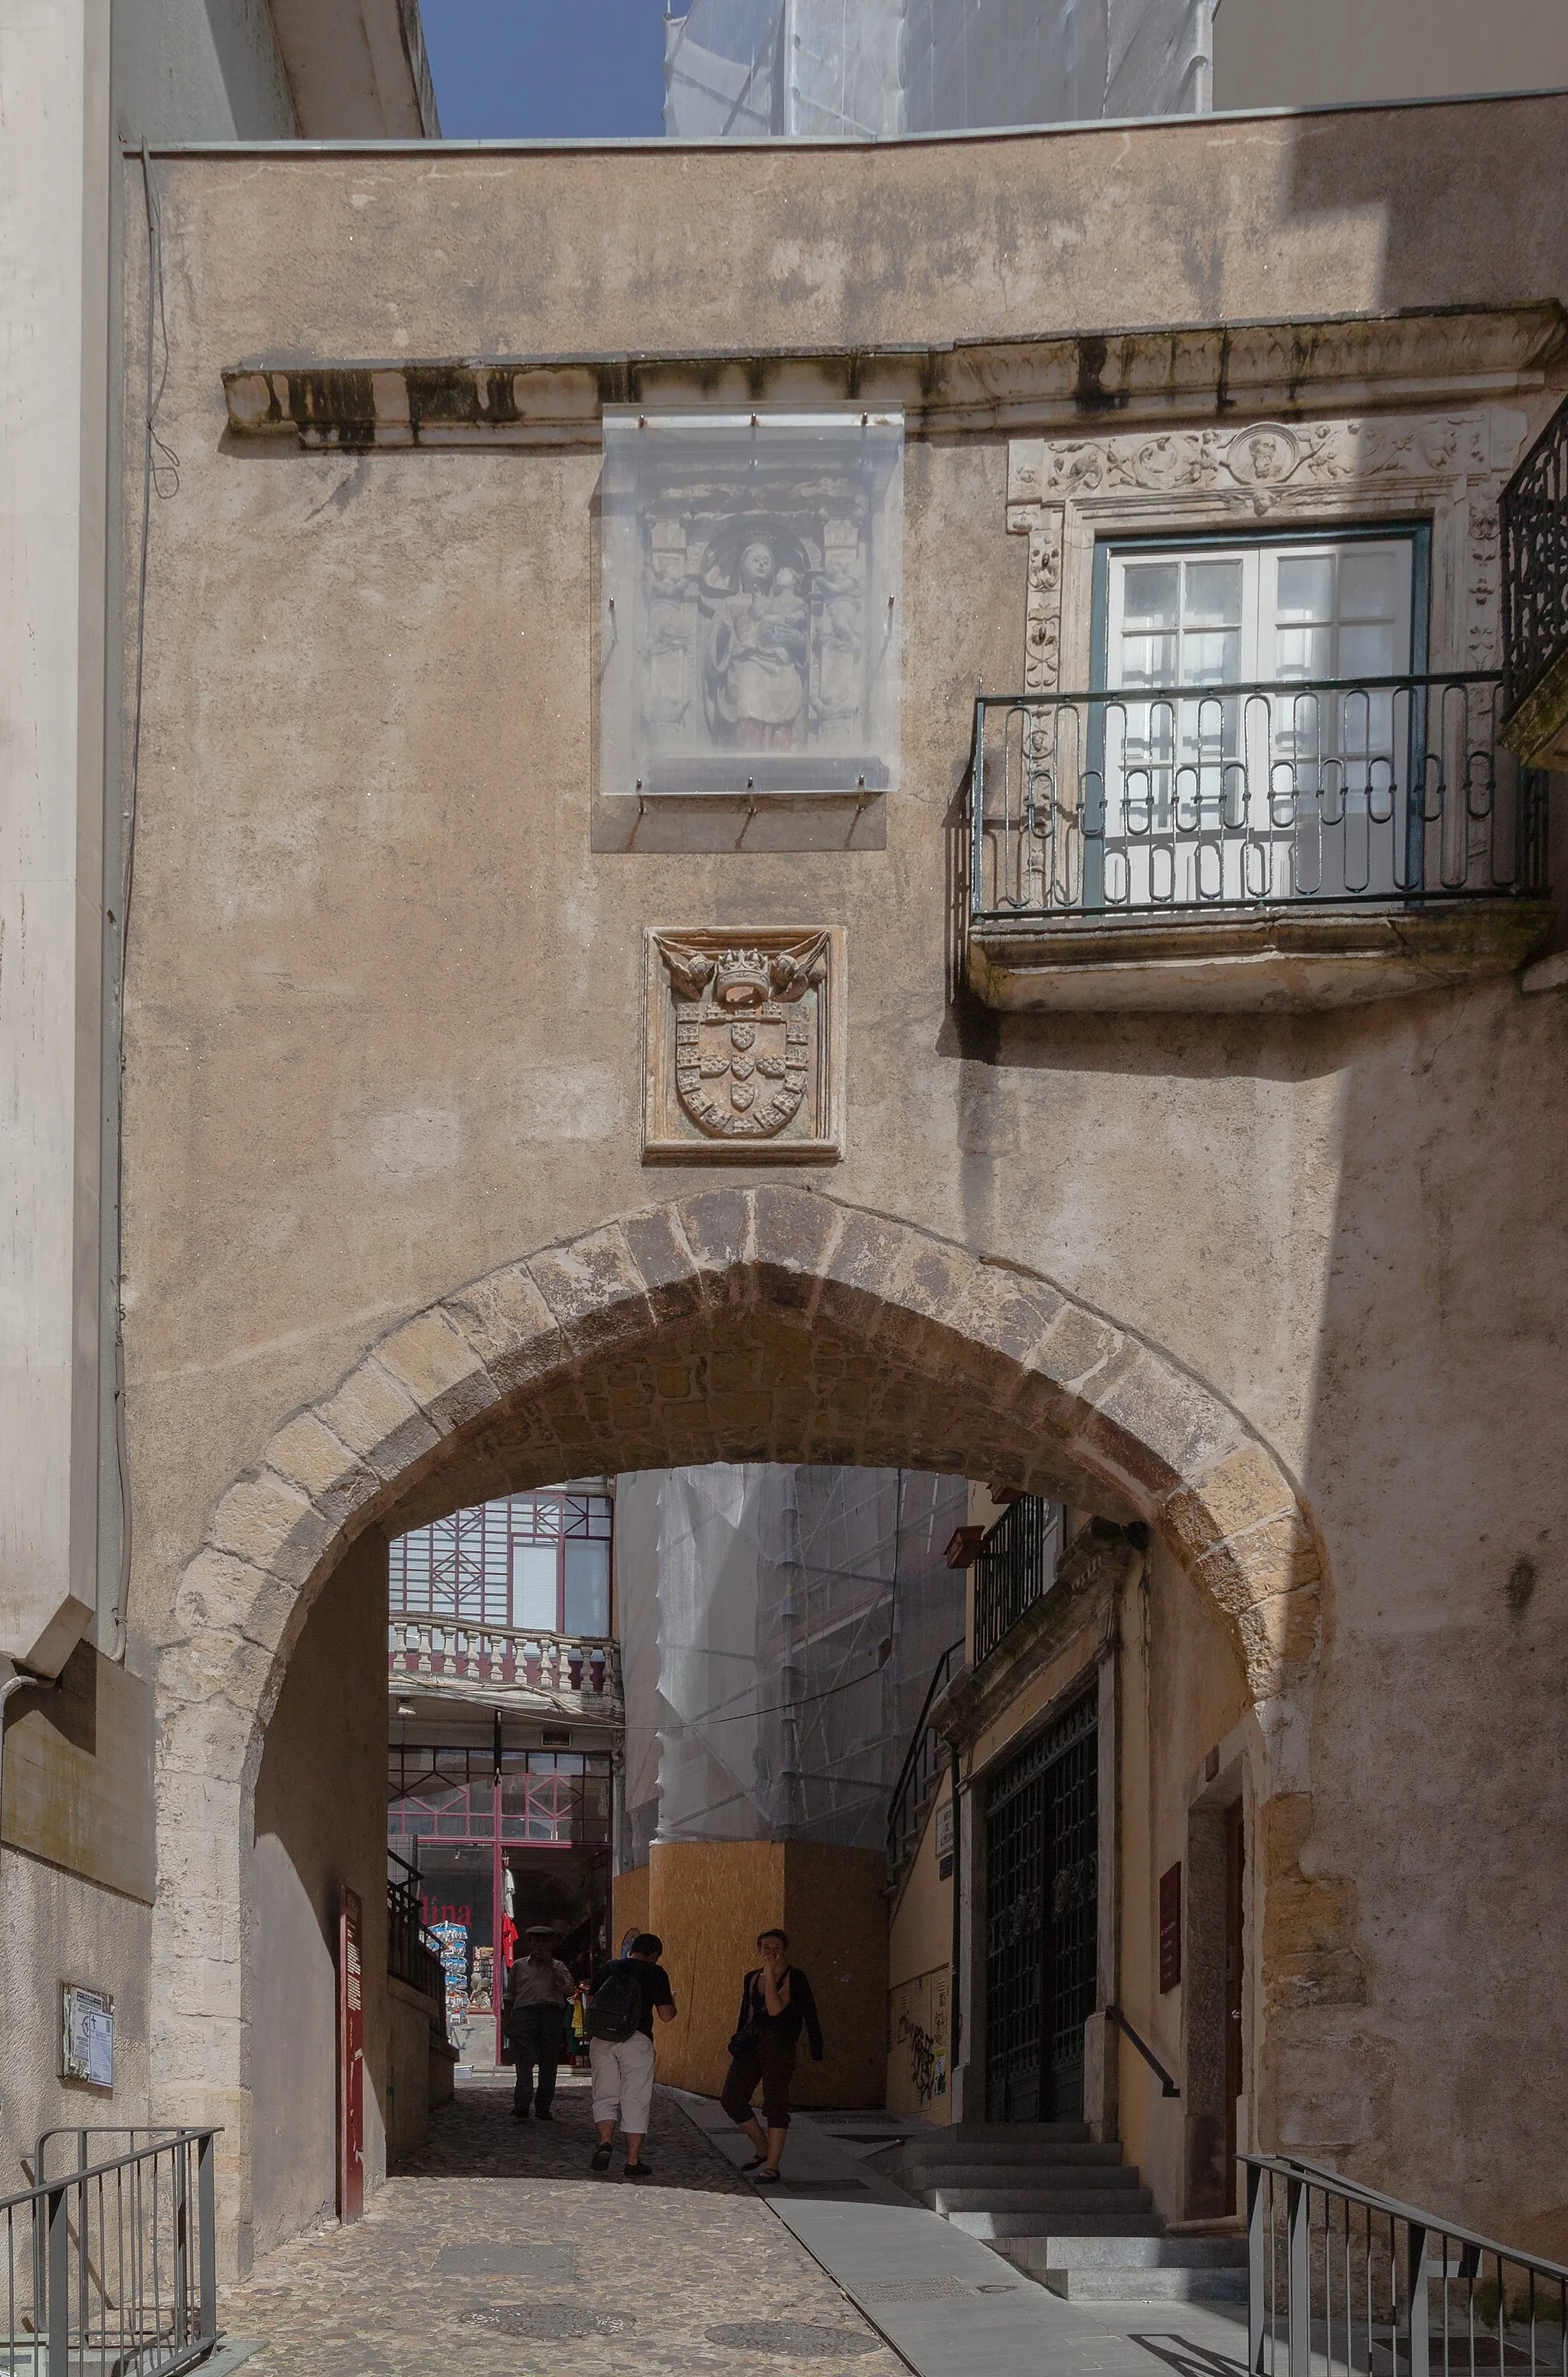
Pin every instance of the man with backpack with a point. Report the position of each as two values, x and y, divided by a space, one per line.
627 1993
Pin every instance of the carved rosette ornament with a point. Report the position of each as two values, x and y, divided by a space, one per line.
742 1054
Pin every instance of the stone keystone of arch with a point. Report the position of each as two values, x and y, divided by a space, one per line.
1103 1404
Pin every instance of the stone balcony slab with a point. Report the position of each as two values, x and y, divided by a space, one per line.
1281 959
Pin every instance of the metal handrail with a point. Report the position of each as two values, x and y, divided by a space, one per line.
1016 1566
897 1812
113 2264
1249 794
1168 2085
412 1954
1339 2271
1319 2173
1533 532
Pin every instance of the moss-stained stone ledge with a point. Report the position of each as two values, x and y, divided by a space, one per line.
1271 959
1359 362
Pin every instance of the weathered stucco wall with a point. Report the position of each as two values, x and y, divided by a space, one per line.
320 1822
55 1928
383 1024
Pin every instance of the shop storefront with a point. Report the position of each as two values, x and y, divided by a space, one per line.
501 1841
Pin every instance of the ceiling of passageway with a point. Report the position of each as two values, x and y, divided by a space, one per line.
757 1386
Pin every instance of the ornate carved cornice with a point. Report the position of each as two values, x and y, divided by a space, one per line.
1294 369
1448 464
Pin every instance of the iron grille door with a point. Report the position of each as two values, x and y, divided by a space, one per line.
1041 1835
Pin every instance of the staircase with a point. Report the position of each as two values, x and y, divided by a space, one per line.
1066 2213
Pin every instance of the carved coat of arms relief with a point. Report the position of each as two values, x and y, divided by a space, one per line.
743 1046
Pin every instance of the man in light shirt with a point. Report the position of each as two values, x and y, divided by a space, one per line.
539 1990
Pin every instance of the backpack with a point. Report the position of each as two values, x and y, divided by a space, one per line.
615 2009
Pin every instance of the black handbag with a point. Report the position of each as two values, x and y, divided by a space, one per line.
745 2040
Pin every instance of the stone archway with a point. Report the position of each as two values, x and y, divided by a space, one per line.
762 1323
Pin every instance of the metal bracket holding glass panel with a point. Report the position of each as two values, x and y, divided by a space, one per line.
750 625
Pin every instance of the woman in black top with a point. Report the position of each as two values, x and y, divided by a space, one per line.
776 2004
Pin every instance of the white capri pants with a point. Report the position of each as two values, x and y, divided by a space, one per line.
622 2081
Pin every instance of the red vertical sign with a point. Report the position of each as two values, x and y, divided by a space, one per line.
350 2057
1169 1927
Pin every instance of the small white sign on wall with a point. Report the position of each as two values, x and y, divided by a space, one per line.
944 1829
87 2034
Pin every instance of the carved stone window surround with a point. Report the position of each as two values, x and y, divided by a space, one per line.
1449 466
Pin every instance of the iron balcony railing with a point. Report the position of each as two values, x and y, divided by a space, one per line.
1014 1566
1247 797
1341 2278
1533 518
917 1776
110 2255
443 1649
411 1955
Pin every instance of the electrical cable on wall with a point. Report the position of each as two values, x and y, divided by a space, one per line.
161 475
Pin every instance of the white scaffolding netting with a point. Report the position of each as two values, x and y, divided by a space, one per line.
871 70
801 1613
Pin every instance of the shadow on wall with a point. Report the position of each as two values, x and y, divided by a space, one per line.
1418 1945
320 1821
1336 173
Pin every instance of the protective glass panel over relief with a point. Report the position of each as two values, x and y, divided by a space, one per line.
752 617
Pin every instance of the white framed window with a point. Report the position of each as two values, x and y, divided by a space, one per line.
1297 782
1290 612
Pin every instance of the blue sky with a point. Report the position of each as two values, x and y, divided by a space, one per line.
541 69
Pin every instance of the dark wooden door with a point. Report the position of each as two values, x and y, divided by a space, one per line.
1235 1875
1042 1920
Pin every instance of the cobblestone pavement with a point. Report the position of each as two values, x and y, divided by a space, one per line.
494 2248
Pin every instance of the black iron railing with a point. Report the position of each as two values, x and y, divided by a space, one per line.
411 1955
917 1776
1533 517
110 2256
1250 796
1014 1566
1339 2276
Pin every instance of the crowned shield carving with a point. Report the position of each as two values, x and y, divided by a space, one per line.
742 1054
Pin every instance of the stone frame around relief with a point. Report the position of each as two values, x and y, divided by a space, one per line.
751 604
738 1026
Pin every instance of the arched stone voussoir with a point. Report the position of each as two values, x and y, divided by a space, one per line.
771 1321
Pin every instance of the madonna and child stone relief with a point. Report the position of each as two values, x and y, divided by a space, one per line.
743 1045
750 627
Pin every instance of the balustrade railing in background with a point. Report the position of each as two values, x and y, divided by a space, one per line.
425 1648
1014 1566
110 2258
1340 2277
1533 518
411 1955
1230 797
917 1776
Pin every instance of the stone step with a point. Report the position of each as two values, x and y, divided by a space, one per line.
1079 2284
1087 2250
1058 2220
961 2172
928 2154
1001 2198
1017 2133
1055 2229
